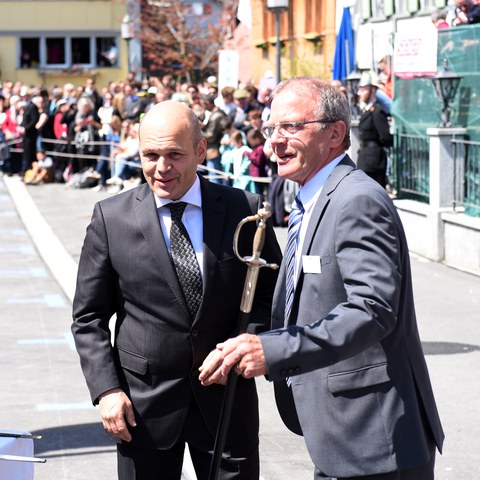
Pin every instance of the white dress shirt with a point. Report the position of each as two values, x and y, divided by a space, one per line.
309 194
192 219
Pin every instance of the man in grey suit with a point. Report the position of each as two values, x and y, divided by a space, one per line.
344 352
160 257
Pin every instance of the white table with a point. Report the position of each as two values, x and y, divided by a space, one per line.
16 455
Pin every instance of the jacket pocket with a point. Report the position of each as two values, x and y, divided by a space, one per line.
132 361
361 378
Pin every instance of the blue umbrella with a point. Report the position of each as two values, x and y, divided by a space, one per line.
344 58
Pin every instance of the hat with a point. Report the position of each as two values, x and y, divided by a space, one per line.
61 102
369 79
212 79
152 90
240 93
180 97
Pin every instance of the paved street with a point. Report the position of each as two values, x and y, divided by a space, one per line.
43 391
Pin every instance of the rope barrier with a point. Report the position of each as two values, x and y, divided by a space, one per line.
212 172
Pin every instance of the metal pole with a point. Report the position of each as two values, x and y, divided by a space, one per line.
279 52
129 65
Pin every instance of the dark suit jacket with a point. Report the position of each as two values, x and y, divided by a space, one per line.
30 119
125 269
375 136
360 383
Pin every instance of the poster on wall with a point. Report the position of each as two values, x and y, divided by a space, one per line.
228 61
415 53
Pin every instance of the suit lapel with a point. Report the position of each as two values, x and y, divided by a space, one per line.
214 211
148 222
341 170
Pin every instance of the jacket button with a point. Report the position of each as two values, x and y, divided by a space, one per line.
194 333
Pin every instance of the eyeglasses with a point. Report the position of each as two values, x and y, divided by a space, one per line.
289 128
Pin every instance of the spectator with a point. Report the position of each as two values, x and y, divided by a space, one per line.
467 12
87 125
439 19
112 140
385 75
213 128
41 171
258 159
91 92
254 120
374 131
29 131
127 152
132 104
251 100
241 162
226 102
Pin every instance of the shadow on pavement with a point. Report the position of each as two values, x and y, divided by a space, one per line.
447 348
89 438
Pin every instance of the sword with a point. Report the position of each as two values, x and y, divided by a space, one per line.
255 263
18 458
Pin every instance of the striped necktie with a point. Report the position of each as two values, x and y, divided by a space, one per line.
294 223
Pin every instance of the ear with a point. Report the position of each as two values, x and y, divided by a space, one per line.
337 134
202 150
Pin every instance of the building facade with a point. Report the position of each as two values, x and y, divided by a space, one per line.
307 35
54 42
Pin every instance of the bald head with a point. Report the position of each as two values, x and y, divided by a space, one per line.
172 112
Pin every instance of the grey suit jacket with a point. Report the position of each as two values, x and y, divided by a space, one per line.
360 383
125 269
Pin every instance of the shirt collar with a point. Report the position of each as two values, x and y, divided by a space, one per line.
193 196
310 192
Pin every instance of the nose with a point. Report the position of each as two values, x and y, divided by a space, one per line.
162 164
277 137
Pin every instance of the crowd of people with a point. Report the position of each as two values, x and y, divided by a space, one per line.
466 12
90 135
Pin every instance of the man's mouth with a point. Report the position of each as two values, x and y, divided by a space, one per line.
283 157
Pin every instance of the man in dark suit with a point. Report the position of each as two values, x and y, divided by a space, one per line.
374 131
344 352
143 372
29 132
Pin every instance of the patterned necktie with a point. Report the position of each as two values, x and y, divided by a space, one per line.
294 223
184 259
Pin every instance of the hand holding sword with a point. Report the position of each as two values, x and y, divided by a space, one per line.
245 351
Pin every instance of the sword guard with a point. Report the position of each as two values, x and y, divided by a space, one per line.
254 260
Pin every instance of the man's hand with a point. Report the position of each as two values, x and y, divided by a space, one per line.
117 412
244 353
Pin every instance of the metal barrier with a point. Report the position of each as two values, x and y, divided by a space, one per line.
466 156
410 167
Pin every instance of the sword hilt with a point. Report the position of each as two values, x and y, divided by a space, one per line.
254 262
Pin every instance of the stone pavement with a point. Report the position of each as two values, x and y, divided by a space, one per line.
41 233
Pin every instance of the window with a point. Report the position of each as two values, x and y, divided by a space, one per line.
65 52
29 53
55 51
81 54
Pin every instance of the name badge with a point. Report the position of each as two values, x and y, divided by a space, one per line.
311 264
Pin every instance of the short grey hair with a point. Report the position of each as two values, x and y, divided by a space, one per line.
328 102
